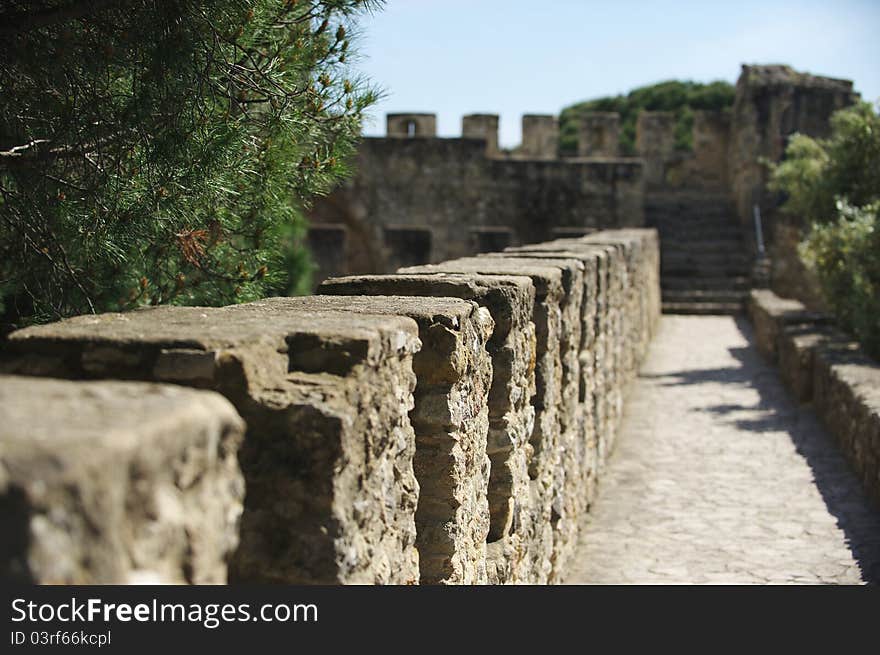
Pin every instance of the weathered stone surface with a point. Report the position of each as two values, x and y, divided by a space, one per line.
569 494
451 186
540 136
545 437
795 347
639 250
586 445
819 363
772 103
640 315
599 134
450 417
846 395
518 362
331 493
718 478
510 301
117 482
769 314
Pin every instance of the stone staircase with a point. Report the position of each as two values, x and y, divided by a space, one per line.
705 265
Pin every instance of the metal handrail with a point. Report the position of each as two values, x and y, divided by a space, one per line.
759 231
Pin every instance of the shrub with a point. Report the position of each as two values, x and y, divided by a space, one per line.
834 186
846 256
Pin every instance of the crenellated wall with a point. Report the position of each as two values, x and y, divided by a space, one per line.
425 200
444 424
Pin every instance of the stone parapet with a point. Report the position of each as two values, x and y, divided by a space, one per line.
117 482
821 365
445 424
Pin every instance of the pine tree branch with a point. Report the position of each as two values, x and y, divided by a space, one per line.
16 22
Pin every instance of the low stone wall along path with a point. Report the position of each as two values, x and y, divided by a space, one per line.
718 476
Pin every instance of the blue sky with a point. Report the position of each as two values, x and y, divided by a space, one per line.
511 57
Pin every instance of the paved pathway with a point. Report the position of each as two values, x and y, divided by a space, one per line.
719 477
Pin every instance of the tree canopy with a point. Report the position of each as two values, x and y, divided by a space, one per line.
162 151
679 97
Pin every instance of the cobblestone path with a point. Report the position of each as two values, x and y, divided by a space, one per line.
719 477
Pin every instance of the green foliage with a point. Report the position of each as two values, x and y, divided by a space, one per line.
834 186
816 173
846 255
681 98
801 176
162 151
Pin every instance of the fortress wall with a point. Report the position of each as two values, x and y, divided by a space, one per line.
448 188
438 425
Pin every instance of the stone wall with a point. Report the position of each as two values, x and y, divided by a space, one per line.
454 191
703 168
821 365
444 424
417 199
772 103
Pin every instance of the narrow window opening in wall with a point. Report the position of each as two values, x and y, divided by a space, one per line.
410 128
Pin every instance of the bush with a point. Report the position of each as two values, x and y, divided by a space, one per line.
834 185
162 151
846 256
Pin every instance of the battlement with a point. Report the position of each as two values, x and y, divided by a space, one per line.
598 134
411 125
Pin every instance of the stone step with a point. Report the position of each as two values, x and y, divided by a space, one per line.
691 209
732 283
674 248
704 271
720 227
676 212
704 296
696 223
690 214
700 232
702 308
705 259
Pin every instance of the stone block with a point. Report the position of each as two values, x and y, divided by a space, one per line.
545 438
570 495
482 126
846 397
592 259
410 125
540 136
117 483
450 417
327 458
510 301
769 314
599 134
795 347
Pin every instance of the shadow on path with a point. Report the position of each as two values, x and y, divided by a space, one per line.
840 489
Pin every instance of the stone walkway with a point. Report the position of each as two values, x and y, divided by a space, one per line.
719 477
